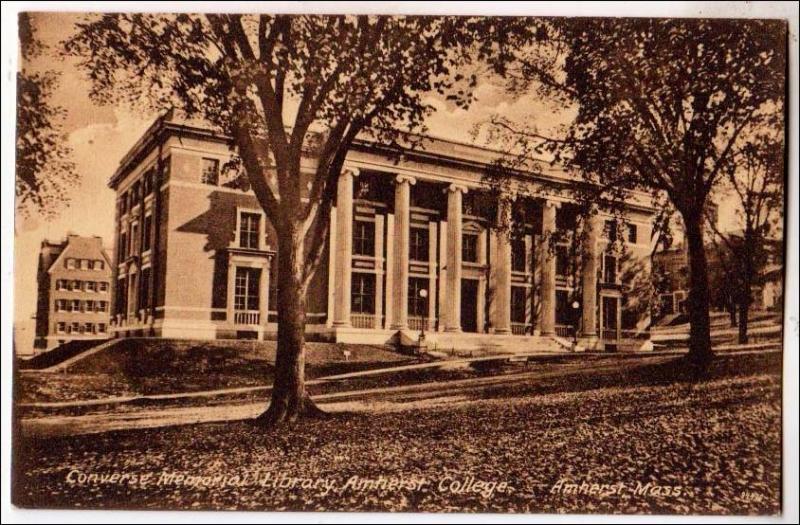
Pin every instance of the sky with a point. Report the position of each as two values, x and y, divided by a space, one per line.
100 135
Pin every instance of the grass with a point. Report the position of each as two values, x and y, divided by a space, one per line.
164 366
717 439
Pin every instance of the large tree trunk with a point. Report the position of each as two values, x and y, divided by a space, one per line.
744 313
290 400
746 292
732 310
699 323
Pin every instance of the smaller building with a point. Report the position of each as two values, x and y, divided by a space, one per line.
671 279
74 292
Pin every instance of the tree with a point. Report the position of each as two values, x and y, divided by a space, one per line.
754 176
285 87
661 107
43 166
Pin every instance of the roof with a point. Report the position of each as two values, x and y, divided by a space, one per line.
78 247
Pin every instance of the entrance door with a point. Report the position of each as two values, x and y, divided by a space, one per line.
610 321
469 305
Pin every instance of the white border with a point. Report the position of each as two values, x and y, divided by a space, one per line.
783 10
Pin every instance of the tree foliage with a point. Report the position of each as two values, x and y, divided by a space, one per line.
44 169
288 89
662 107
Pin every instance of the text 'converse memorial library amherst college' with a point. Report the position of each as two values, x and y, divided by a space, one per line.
409 250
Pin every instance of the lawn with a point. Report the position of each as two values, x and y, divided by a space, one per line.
710 446
138 366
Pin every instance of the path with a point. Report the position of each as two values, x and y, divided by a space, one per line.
374 399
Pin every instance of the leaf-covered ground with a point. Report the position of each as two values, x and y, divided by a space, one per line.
704 447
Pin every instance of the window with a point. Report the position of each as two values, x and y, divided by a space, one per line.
90 306
210 173
61 328
246 287
563 308
103 286
76 306
419 250
632 233
88 328
134 239
99 265
519 304
132 280
121 296
101 328
144 296
417 305
364 238
76 286
123 245
469 248
91 286
123 204
61 284
71 263
249 230
610 230
148 181
148 226
362 295
562 261
76 328
102 306
59 305
565 219
609 269
518 255
136 193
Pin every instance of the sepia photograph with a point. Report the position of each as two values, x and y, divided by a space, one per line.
331 257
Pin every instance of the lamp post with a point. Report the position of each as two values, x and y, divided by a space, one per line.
575 306
423 293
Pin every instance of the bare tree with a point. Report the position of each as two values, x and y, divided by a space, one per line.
44 169
754 176
661 107
284 87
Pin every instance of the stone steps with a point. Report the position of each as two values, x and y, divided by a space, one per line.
444 341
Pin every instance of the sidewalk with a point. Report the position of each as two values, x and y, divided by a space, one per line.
373 399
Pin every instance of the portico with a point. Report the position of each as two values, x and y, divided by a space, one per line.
422 258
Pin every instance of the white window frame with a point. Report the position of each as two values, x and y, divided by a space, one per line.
262 226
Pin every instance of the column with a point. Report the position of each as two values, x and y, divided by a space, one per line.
389 269
454 224
402 222
331 268
442 262
432 237
231 291
344 247
263 298
379 219
548 288
501 268
589 277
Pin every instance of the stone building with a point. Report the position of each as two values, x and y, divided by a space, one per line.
74 292
410 248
